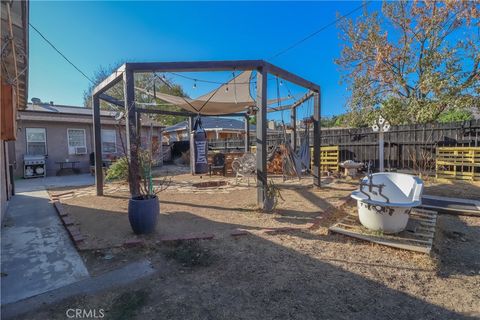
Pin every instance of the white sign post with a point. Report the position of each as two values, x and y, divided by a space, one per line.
381 126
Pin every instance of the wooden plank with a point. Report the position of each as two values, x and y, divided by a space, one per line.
417 248
8 109
110 81
421 240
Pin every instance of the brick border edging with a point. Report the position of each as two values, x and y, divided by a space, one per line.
69 224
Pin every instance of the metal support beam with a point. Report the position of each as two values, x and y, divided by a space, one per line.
261 136
247 133
132 139
191 121
112 100
195 66
184 113
316 170
97 142
293 120
288 76
304 98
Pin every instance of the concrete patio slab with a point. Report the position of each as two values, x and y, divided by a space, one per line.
116 278
35 184
37 254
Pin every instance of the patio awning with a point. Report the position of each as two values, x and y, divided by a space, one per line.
232 97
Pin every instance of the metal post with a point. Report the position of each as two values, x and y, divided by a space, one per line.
293 120
247 133
261 135
316 170
192 146
381 155
132 130
97 143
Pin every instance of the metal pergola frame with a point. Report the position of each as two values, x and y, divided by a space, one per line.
133 124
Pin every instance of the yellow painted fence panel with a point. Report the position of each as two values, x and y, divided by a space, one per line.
461 163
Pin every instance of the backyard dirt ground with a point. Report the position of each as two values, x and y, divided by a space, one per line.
305 273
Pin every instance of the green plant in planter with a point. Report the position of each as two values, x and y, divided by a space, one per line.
272 194
147 189
144 206
118 170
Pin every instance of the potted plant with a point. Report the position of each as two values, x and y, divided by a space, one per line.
272 194
144 207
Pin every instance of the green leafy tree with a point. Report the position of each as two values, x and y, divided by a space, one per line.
145 81
452 115
413 60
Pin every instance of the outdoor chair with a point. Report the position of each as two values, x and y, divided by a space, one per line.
245 167
218 164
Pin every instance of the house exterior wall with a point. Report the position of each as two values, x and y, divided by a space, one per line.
3 179
57 144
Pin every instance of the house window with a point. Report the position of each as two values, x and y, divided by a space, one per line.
109 141
76 139
36 141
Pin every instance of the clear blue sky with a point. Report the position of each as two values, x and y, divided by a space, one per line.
92 34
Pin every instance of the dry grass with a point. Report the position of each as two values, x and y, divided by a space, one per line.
303 274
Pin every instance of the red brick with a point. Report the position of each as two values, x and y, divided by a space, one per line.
60 209
281 230
237 233
203 236
62 194
73 230
133 243
67 220
77 238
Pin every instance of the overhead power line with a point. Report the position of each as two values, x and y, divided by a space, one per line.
60 53
313 34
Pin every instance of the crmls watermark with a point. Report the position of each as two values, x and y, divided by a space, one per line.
85 313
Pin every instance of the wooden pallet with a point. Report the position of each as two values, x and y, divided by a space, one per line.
418 236
461 163
329 158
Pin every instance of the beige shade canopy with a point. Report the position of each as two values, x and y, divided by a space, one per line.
231 97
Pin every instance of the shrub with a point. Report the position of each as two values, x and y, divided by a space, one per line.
118 170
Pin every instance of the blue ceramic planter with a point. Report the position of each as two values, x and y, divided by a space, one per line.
143 214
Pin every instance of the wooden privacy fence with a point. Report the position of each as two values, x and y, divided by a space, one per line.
407 147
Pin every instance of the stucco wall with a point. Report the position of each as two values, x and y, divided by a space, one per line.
57 144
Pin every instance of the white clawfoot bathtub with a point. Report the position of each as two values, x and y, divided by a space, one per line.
385 200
